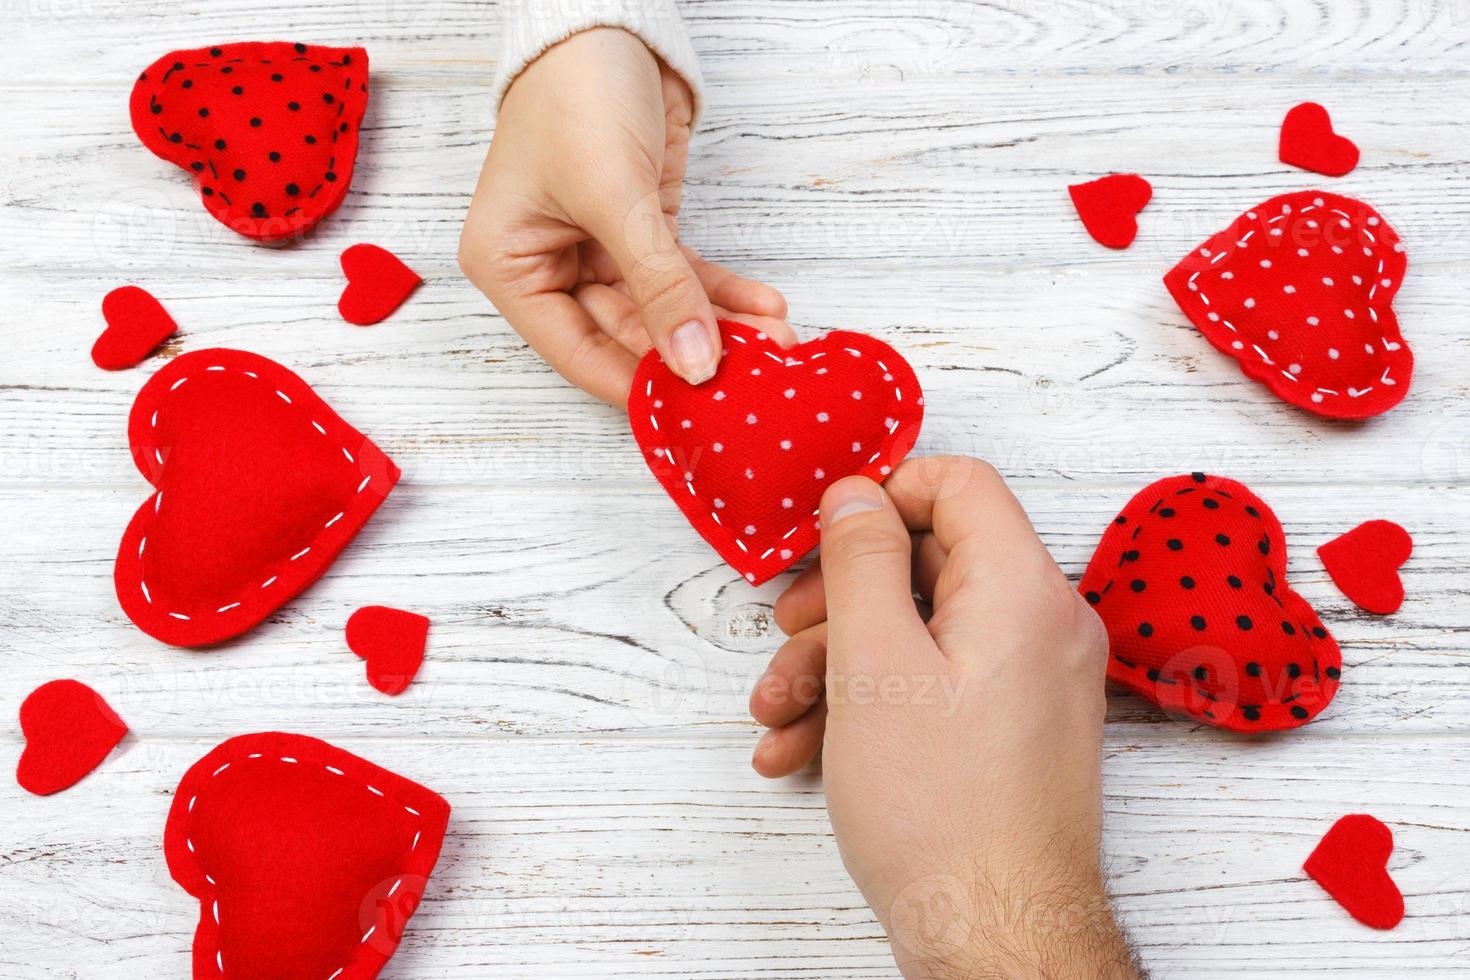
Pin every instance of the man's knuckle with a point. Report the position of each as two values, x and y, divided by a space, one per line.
868 544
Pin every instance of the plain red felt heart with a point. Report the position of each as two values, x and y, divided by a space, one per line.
1351 863
1365 564
1109 207
136 324
1307 141
269 129
307 861
1299 290
1190 581
259 486
68 729
747 454
392 643
377 284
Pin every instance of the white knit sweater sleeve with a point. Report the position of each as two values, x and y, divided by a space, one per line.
529 27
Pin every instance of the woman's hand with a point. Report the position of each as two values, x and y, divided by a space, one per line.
573 231
963 733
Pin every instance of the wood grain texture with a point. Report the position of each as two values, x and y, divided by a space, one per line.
893 167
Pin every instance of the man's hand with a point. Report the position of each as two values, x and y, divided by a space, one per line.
572 232
963 731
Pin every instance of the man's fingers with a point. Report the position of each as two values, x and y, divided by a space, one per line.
793 681
565 335
971 511
804 603
783 751
866 568
671 300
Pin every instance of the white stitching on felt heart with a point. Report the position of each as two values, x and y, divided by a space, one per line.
158 495
214 902
1293 371
665 453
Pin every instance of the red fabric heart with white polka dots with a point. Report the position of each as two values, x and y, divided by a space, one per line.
747 454
1299 290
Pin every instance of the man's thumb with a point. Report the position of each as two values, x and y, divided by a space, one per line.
866 568
672 302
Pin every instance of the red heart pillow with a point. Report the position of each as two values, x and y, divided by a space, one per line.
306 860
269 129
747 454
1299 290
1190 581
259 486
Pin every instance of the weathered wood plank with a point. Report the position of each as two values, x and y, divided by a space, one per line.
64 40
546 621
1090 375
657 859
964 173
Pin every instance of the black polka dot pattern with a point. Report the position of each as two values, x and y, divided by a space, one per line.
1190 580
223 113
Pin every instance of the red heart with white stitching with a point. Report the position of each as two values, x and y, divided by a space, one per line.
259 486
268 129
307 861
1190 581
747 454
1299 290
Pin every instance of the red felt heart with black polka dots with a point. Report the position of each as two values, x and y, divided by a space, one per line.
747 454
1299 290
269 129
1190 580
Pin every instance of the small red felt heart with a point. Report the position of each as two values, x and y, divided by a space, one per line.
392 643
1190 581
269 129
136 323
1365 562
1109 207
1351 863
68 729
1307 141
747 454
377 284
259 486
307 861
1299 290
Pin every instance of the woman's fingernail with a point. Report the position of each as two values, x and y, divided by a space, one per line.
854 495
694 353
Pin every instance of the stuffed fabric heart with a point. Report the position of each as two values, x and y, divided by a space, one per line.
259 486
1299 290
1190 580
307 861
269 129
747 454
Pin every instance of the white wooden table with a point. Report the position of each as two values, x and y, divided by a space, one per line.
894 167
